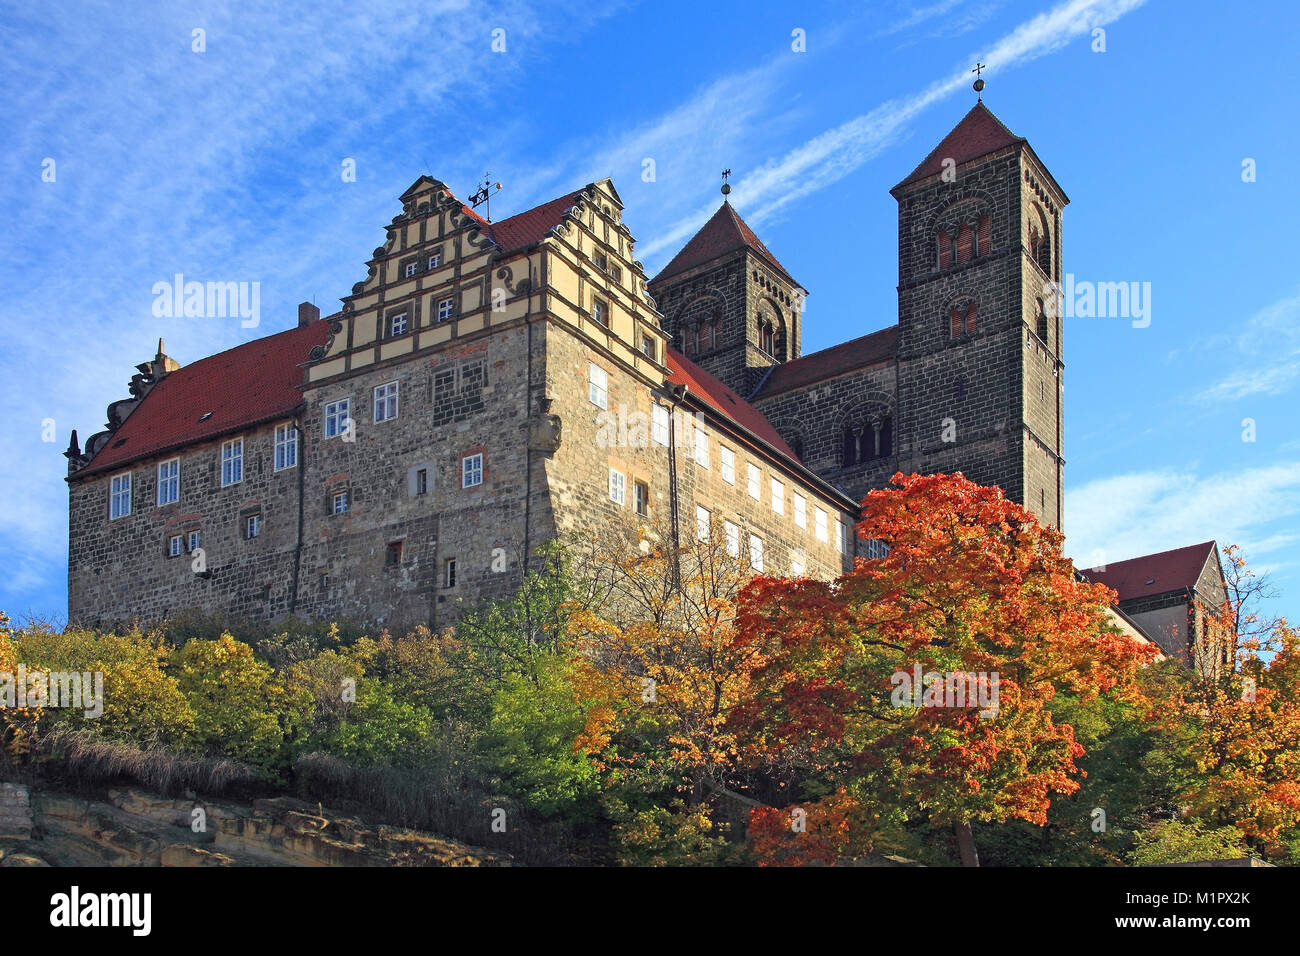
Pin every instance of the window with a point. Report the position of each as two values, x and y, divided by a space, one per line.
617 487
175 546
641 498
435 259
411 269
754 480
597 385
385 402
253 526
1041 321
337 417
961 320
169 481
600 311
733 539
876 548
450 573
778 497
659 423
703 520
820 524
616 273
728 465
841 536
800 510
648 345
195 538
339 504
471 470
232 462
286 446
701 448
393 553
796 446
600 261
1042 499
421 481
446 308
767 340
396 325
797 563
756 552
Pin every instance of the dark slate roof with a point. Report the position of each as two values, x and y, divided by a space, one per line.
252 383
848 356
724 233
1155 573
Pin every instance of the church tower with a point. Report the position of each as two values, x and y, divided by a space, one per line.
728 304
979 352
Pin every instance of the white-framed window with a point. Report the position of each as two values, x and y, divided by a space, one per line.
800 510
601 263
435 260
385 402
337 417
253 526
876 548
175 546
397 324
411 269
659 423
617 487
422 481
232 462
702 522
600 311
339 503
446 309
754 481
797 562
648 348
451 572
471 470
169 481
701 447
728 465
778 497
641 498
597 385
286 446
756 552
820 524
841 536
733 538
195 539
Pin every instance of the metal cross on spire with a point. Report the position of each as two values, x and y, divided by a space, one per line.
978 85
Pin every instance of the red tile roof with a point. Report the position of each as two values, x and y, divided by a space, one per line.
724 233
247 385
1155 573
819 366
682 371
978 134
532 225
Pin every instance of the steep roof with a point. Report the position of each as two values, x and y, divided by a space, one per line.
854 354
247 385
1155 573
978 134
724 233
682 371
530 226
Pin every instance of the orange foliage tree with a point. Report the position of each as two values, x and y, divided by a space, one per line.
973 587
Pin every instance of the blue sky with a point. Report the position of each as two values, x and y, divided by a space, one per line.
225 165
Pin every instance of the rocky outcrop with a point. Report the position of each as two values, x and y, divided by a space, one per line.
135 828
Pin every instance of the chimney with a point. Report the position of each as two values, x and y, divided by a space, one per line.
307 313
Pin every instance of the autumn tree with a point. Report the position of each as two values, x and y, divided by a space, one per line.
973 586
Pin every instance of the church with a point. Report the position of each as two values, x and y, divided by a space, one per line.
410 452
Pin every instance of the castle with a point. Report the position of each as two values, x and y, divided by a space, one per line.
481 389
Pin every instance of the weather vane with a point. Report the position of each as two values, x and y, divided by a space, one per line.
726 186
978 85
484 195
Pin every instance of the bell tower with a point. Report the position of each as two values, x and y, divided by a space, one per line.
728 304
980 371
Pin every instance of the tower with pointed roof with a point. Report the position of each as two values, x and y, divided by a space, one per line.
728 304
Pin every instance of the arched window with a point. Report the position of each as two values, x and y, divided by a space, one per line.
1040 240
963 242
850 451
886 437
983 234
1042 321
692 340
796 446
766 337
961 319
945 249
781 351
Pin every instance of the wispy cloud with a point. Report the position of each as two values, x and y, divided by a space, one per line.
1266 355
